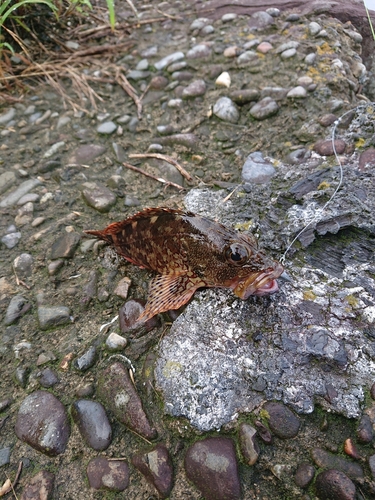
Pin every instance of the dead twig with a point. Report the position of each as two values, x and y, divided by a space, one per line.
166 158
130 90
8 486
159 179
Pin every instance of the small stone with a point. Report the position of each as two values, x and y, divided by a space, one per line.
293 17
84 154
351 450
326 460
371 462
310 58
10 240
365 431
226 110
211 465
108 474
232 51
230 16
50 317
156 466
106 128
314 28
265 108
86 390
198 24
4 456
87 359
264 47
142 65
47 378
248 444
45 357
264 433
372 391
287 54
117 392
256 169
325 148
39 487
7 116
21 190
244 96
42 423
159 82
247 57
187 140
327 120
7 179
54 149
4 404
297 92
223 80
334 485
65 246
128 318
286 46
195 89
115 342
260 20
131 201
367 159
122 288
282 421
171 58
304 475
37 221
137 75
305 81
55 266
200 51
33 197
93 424
17 307
98 197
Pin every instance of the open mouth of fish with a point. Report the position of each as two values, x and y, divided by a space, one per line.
263 283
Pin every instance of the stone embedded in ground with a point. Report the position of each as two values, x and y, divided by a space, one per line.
23 265
194 89
5 456
65 246
86 153
47 378
21 190
87 359
17 307
282 421
39 487
365 432
98 197
256 169
244 96
117 392
304 475
7 179
42 423
265 108
225 109
211 464
50 317
108 474
334 485
170 59
115 342
367 159
93 424
128 318
325 148
200 51
157 468
190 141
326 460
106 128
248 444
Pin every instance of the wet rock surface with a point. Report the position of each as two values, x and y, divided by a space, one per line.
217 87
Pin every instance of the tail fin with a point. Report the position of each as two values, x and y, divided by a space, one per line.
101 235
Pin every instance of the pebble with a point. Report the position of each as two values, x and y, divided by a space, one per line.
117 392
211 465
248 444
327 120
55 266
20 191
287 54
54 149
188 140
244 96
264 47
371 463
108 474
93 424
282 421
65 246
246 57
21 373
325 148
297 92
230 16
128 318
365 431
263 109
367 159
326 460
122 288
200 51
45 357
17 307
7 179
87 360
156 466
84 154
42 423
256 169
170 59
47 378
260 20
198 24
50 317
304 475
226 110
194 89
115 342
39 487
223 80
314 28
4 456
7 116
98 197
107 128
263 432
334 485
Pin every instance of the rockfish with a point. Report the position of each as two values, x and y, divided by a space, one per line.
189 252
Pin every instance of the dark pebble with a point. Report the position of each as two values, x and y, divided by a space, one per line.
50 317
87 359
367 159
117 392
327 120
156 466
89 289
108 474
211 465
42 423
93 423
17 307
263 432
86 390
4 456
325 148
65 246
21 375
365 431
304 475
129 314
334 485
282 421
244 96
159 82
4 404
47 378
190 141
326 460
40 487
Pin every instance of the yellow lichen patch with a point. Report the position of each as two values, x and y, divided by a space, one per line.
324 49
309 295
360 143
351 300
243 226
323 185
251 36
171 368
264 414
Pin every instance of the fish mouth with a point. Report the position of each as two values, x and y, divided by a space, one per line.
259 284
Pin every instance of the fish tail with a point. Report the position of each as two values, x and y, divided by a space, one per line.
101 235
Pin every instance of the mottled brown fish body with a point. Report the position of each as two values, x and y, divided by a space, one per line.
189 252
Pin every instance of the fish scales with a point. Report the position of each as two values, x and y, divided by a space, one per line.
189 252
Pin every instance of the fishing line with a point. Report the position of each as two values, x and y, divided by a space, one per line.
320 211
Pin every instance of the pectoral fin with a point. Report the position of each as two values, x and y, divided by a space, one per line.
168 292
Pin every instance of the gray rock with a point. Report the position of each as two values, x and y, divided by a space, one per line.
327 460
108 474
10 240
87 359
4 456
256 169
198 24
50 317
170 59
282 421
200 51
42 423
247 56
194 89
22 189
84 154
93 423
334 485
211 465
7 116
314 28
47 378
230 16
18 306
286 46
156 466
365 431
117 392
106 128
304 475
226 110
260 20
115 342
297 92
265 108
7 179
244 96
99 197
65 246
137 75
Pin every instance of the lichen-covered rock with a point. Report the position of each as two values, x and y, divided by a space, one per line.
157 468
112 475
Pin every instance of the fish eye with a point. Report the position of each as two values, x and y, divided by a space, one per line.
237 254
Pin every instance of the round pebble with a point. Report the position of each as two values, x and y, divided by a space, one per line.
334 485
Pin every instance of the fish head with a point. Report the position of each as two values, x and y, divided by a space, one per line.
253 272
